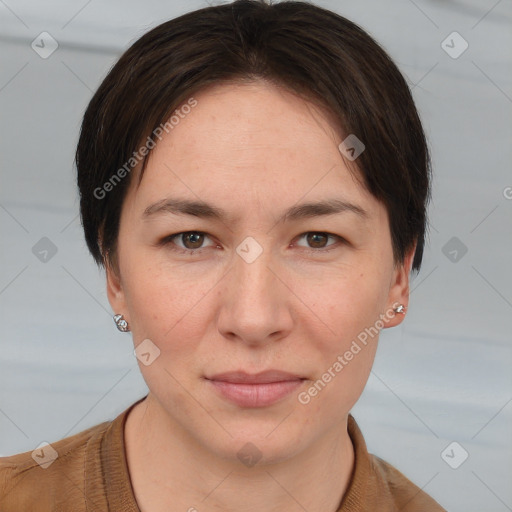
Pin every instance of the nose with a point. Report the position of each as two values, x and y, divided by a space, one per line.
255 303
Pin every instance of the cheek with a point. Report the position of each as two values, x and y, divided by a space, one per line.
353 300
352 308
344 355
171 305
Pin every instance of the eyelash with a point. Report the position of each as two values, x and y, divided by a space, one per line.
169 241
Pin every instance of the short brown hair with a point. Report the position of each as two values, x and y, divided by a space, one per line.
311 51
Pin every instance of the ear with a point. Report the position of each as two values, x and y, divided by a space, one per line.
115 292
399 290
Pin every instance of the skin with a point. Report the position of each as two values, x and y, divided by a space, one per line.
253 150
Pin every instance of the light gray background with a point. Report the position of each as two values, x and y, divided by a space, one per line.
443 376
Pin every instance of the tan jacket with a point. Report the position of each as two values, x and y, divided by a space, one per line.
90 474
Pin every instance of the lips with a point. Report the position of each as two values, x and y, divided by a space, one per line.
255 390
265 377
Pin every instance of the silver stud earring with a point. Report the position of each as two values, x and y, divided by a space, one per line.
399 309
121 323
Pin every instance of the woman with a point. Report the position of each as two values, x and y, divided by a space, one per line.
254 179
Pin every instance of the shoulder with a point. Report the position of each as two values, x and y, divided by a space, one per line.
377 485
50 477
406 496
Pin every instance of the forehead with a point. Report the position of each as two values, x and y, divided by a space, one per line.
250 143
244 119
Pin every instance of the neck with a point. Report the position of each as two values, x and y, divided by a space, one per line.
171 472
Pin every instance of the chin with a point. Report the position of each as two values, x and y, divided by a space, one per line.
259 440
257 449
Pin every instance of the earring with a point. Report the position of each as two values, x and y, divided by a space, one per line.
399 309
121 323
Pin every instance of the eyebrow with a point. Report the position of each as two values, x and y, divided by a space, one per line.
204 210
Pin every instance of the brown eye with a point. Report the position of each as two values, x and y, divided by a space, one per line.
317 240
188 242
192 240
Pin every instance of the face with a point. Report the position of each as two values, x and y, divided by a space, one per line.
250 246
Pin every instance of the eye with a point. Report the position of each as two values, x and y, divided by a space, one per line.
191 242
187 241
319 240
